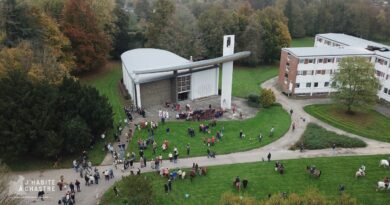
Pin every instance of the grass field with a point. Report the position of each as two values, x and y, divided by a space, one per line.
369 123
247 80
264 180
303 42
316 137
262 122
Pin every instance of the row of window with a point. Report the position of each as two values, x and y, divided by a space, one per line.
316 72
318 60
308 85
327 42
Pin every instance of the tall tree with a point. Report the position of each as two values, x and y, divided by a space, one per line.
294 14
276 35
355 83
213 24
142 9
161 18
90 44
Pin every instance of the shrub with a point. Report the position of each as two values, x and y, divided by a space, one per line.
229 198
267 97
316 137
254 100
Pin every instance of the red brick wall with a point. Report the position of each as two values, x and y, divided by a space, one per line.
291 74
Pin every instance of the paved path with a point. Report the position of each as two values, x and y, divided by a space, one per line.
278 149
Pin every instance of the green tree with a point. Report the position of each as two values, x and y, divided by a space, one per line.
267 97
296 21
355 83
254 32
276 35
214 23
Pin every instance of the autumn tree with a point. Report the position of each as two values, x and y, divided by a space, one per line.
89 43
267 97
276 35
355 83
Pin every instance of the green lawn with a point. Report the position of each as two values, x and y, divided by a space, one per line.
303 42
264 180
262 122
369 123
247 80
316 137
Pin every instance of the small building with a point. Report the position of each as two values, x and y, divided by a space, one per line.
308 71
165 86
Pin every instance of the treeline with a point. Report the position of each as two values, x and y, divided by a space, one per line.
362 18
42 120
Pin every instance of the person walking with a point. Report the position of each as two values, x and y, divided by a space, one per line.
269 156
166 188
291 111
241 133
208 152
293 126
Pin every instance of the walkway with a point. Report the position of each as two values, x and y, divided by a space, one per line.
278 149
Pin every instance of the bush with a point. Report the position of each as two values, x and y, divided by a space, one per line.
229 198
254 100
316 137
267 97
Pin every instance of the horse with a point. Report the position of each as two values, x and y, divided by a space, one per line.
204 171
360 173
384 163
192 174
313 171
237 185
382 186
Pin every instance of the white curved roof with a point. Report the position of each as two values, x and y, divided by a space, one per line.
142 59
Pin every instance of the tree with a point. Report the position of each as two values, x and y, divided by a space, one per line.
161 18
142 9
214 23
296 21
89 43
254 32
276 35
46 120
267 97
355 83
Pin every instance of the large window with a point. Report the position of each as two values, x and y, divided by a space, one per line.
308 85
183 84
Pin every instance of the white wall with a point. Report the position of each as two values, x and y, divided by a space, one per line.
128 82
204 83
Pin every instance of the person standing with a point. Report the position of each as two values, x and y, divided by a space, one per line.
166 188
208 152
169 185
334 148
116 191
260 137
293 126
291 111
269 156
71 186
188 149
271 133
241 133
77 183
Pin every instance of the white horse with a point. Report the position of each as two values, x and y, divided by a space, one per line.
384 163
382 186
360 173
